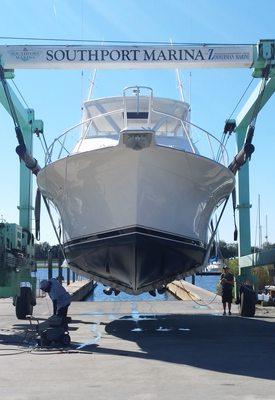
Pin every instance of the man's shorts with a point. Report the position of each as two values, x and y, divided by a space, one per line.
227 296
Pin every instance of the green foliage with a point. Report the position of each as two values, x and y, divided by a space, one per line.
233 264
263 275
42 250
227 250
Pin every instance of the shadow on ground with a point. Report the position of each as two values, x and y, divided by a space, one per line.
230 345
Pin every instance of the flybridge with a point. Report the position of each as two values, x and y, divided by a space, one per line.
112 57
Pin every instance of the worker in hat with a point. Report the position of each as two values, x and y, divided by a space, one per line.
60 297
227 284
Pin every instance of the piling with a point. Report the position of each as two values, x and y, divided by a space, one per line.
50 264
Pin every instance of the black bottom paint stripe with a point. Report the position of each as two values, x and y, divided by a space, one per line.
134 230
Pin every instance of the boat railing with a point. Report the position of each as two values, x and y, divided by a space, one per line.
200 141
136 90
61 140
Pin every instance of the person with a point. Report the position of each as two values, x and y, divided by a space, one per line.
227 283
60 297
248 300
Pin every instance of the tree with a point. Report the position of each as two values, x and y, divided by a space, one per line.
227 250
41 250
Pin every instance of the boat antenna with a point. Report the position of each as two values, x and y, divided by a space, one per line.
179 80
91 88
260 226
190 91
82 71
180 85
90 94
266 234
189 100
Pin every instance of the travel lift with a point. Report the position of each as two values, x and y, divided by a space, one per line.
15 276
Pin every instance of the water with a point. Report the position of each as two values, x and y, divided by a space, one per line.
42 273
98 295
205 282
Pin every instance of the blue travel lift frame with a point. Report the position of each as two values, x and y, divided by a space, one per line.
15 280
263 53
247 260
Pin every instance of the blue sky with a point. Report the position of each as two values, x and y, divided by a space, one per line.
56 96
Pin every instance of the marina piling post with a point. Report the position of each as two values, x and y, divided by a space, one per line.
193 279
60 261
50 264
68 276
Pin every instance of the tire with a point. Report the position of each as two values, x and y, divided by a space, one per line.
23 306
247 305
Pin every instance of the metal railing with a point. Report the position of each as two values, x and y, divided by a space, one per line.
206 139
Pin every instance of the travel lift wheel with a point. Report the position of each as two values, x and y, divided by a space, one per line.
24 303
247 304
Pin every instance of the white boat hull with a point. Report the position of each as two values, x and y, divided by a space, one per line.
135 219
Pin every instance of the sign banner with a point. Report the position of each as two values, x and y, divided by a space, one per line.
119 57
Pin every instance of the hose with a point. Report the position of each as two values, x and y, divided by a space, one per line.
200 304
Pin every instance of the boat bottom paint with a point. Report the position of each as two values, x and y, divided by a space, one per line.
135 262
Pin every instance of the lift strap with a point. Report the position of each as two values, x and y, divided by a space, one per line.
241 158
248 149
37 210
53 225
211 240
234 203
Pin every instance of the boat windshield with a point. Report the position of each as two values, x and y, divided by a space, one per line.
109 116
104 119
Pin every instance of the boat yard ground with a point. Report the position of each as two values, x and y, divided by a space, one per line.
142 351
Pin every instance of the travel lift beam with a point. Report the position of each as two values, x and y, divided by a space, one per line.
29 125
247 261
143 57
242 121
18 283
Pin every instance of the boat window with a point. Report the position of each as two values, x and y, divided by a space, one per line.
136 115
113 124
104 119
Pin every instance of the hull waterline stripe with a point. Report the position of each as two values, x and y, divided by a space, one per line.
141 232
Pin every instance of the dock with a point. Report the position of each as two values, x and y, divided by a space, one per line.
142 351
79 290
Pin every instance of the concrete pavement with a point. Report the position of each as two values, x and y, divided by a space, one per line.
142 350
